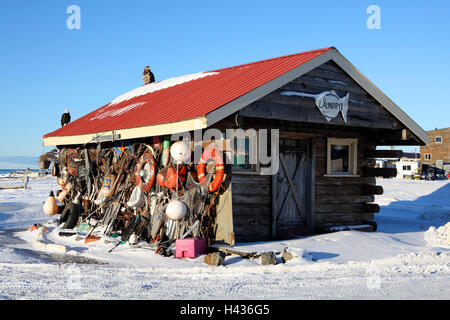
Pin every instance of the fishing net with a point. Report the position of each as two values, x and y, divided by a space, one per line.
195 195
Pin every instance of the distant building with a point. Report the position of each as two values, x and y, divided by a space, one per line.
437 152
407 166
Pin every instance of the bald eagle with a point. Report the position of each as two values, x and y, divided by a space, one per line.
148 76
65 118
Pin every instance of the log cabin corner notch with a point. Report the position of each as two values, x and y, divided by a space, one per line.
326 176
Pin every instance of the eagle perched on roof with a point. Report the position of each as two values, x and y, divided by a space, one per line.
148 76
65 118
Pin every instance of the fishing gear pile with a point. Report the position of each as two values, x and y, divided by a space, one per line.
147 191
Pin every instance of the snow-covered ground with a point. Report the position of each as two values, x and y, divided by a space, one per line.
407 258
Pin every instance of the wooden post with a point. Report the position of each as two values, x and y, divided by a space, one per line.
274 205
224 230
312 184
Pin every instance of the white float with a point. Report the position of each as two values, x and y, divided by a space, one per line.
176 210
180 151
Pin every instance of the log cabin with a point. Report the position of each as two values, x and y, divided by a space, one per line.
329 118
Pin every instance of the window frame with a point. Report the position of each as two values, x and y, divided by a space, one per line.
352 144
255 168
435 139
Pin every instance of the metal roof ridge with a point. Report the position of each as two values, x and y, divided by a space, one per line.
276 58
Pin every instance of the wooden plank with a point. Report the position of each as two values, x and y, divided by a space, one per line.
331 66
292 189
357 97
272 110
380 172
243 181
342 218
252 220
243 254
252 230
330 75
371 207
299 135
324 85
344 199
249 210
224 231
251 188
355 103
371 189
345 181
249 199
11 187
285 208
274 205
312 187
341 190
346 208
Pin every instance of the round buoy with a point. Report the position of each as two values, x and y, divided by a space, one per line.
133 238
145 172
180 151
50 206
211 154
176 210
167 177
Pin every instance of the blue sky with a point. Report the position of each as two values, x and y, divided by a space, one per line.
47 68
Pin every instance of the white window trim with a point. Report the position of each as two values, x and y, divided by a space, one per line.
427 154
436 140
352 158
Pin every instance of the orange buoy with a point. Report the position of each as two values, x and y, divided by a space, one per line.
167 177
211 154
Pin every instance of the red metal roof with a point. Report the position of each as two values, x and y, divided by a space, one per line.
186 100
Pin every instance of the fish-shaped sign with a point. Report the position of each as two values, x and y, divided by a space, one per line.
330 104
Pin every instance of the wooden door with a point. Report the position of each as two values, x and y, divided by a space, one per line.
291 193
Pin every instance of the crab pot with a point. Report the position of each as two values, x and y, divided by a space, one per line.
44 164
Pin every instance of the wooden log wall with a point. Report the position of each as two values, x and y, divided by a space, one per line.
252 207
345 200
364 110
337 200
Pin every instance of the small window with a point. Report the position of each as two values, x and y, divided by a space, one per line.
342 156
427 156
438 139
241 157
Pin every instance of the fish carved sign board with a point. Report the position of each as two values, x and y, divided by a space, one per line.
328 102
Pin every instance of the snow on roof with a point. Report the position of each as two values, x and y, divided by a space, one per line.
103 113
156 86
199 100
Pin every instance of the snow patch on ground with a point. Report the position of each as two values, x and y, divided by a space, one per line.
398 261
439 236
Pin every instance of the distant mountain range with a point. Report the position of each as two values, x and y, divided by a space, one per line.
20 159
19 162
